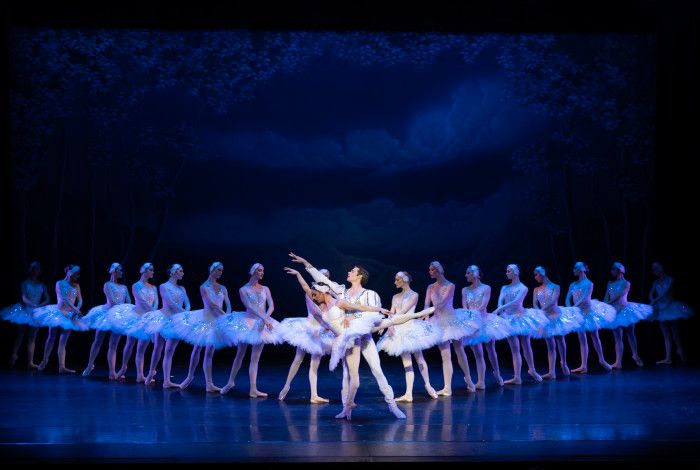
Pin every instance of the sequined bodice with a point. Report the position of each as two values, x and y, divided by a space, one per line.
34 291
175 297
218 298
616 288
117 293
659 286
145 296
579 290
67 292
399 302
474 298
547 298
442 299
510 293
256 298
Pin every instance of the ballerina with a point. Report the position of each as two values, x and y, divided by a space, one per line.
628 313
63 316
492 328
159 324
410 338
308 336
201 328
34 295
667 311
358 295
330 312
97 319
455 324
126 320
254 327
562 321
524 322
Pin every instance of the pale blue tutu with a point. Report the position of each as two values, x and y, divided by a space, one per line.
359 326
126 321
569 319
410 337
526 323
675 310
160 322
199 328
599 315
630 314
52 317
20 314
455 326
491 327
245 328
299 332
97 318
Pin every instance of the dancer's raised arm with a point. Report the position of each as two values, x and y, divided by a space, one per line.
337 289
300 278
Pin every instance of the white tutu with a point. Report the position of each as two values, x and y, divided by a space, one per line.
199 328
599 315
97 318
245 328
675 310
158 321
51 316
125 321
359 326
413 336
526 323
20 314
492 327
299 332
568 319
630 314
455 326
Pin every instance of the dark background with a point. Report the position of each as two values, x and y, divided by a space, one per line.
530 134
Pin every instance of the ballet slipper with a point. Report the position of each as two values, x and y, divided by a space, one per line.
283 393
226 388
405 398
88 370
318 400
513 381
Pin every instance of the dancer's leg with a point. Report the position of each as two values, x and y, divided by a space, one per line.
313 380
21 331
293 369
62 343
94 351
207 366
551 358
238 360
458 346
170 346
112 355
194 362
141 347
514 344
253 371
423 369
408 371
493 360
31 344
561 345
529 359
352 364
619 347
632 341
48 347
598 347
446 355
583 343
371 355
677 339
478 351
667 342
126 355
158 346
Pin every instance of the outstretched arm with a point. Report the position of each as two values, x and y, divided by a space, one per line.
337 289
399 319
345 305
300 278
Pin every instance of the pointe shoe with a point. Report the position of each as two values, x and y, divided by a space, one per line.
352 405
140 380
616 366
664 361
444 393
226 388
534 375
480 386
396 410
65 370
607 366
348 414
169 384
549 376
404 399
513 381
283 394
41 366
87 371
565 370
581 370
211 388
638 361
257 394
431 391
499 379
150 378
185 383
343 413
32 366
318 400
470 385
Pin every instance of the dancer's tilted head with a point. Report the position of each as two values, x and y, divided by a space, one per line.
216 269
116 270
580 267
657 268
435 268
540 274
176 271
257 271
617 269
358 273
473 273
34 269
318 292
402 278
512 271
147 270
72 272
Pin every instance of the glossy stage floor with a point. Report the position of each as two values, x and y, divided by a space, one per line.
633 415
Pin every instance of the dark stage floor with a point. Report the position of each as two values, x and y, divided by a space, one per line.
629 416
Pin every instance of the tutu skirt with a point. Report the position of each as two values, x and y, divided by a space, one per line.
198 328
19 314
410 337
526 323
97 318
359 327
630 314
158 321
675 310
51 316
599 315
492 327
569 319
299 332
124 320
455 326
245 328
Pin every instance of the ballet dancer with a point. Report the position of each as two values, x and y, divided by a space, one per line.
126 320
628 313
475 297
159 324
524 322
454 324
357 295
254 327
64 316
596 315
201 328
562 321
35 294
97 319
410 338
667 311
308 336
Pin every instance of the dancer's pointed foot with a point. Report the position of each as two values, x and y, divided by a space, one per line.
617 365
41 366
255 393
88 370
431 391
185 383
445 392
283 393
533 373
513 381
32 366
405 398
665 361
343 413
211 388
565 369
480 386
226 388
499 379
393 407
122 373
65 370
638 361
169 384
581 370
549 375
352 405
150 378
318 400
470 385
